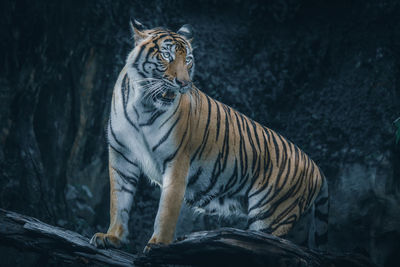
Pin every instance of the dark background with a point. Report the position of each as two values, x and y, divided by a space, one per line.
325 74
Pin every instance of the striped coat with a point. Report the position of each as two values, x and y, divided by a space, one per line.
199 150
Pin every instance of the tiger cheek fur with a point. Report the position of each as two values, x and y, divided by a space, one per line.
200 151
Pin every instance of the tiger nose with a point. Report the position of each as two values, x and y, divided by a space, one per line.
182 83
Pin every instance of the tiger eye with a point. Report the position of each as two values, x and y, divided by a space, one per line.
166 55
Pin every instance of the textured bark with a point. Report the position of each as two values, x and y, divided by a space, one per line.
226 246
63 245
234 247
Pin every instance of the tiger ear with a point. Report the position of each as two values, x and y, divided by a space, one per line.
137 31
187 32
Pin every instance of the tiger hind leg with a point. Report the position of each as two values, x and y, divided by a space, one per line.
318 232
277 223
267 226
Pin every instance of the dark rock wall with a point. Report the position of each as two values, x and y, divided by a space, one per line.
325 74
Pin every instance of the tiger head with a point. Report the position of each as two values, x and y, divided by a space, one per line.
161 65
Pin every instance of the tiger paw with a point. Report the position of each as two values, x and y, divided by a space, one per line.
153 242
102 240
150 244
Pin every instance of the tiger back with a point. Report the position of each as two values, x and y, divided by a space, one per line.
200 151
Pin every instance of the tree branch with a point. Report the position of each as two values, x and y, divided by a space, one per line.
226 247
234 247
29 233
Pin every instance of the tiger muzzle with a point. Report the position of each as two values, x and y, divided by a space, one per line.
184 88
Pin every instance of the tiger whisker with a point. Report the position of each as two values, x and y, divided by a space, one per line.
155 92
144 85
146 79
152 91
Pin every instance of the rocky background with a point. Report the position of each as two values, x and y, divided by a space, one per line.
325 74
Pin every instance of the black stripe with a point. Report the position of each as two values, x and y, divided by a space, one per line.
132 176
165 137
122 155
276 192
193 179
114 136
256 135
150 110
225 146
124 104
208 115
233 179
312 186
240 187
152 119
205 135
285 212
276 148
124 189
288 221
173 113
204 144
253 148
128 179
203 193
206 129
218 120
294 188
241 152
243 148
136 112
267 169
285 164
296 162
172 156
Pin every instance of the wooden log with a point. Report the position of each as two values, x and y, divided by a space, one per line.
28 233
222 247
234 247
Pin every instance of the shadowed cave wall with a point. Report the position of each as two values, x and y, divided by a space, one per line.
325 75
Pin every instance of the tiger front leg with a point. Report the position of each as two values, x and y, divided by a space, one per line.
173 191
122 190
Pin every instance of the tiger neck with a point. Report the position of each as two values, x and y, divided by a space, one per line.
146 113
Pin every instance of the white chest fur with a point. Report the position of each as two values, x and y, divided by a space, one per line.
138 131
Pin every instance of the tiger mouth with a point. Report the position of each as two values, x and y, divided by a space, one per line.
166 96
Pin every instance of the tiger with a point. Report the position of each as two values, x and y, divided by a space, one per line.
199 151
